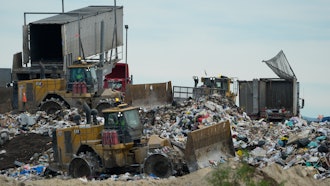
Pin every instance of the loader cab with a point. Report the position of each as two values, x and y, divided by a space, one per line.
219 84
214 82
82 78
125 121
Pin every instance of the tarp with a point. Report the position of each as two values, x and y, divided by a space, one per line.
280 66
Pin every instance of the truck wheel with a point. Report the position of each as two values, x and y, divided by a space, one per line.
83 165
50 106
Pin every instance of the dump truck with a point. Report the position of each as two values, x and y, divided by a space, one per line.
118 143
221 85
272 98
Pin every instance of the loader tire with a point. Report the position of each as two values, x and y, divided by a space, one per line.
158 165
86 164
50 106
101 106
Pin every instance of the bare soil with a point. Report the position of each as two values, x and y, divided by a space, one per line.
22 147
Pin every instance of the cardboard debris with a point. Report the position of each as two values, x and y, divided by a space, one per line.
290 143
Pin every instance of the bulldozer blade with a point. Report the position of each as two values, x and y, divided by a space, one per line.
208 144
149 94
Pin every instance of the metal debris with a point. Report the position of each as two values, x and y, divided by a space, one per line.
289 143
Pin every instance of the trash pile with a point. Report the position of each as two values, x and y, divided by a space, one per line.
258 142
287 143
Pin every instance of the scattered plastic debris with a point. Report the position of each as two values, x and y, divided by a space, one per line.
260 143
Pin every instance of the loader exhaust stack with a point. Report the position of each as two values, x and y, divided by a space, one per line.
87 110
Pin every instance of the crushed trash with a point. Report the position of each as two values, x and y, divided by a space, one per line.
258 142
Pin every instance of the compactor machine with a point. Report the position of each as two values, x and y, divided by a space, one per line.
118 143
222 85
79 85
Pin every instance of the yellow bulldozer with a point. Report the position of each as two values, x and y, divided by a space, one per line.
79 85
118 143
222 85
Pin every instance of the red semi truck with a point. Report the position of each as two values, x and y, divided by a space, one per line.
118 78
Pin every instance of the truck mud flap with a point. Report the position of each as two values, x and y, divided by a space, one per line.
208 144
149 94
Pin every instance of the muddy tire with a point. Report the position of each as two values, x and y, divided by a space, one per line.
101 106
158 165
52 105
84 165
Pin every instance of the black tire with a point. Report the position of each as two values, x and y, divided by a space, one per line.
101 106
158 165
51 106
84 165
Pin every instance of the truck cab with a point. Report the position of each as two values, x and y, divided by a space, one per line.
118 78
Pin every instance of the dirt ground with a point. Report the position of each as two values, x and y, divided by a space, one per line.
22 147
297 175
197 178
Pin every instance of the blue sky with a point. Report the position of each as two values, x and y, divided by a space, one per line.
173 40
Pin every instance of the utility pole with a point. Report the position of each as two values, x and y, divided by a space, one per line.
126 79
126 28
62 6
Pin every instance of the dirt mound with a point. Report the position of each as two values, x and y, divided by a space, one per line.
22 147
197 178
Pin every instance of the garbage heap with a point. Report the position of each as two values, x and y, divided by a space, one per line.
258 142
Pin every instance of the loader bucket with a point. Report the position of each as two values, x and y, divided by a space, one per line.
208 144
149 94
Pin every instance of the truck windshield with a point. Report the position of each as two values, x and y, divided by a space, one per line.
116 85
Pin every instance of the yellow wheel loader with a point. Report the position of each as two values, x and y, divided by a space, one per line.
91 149
52 94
